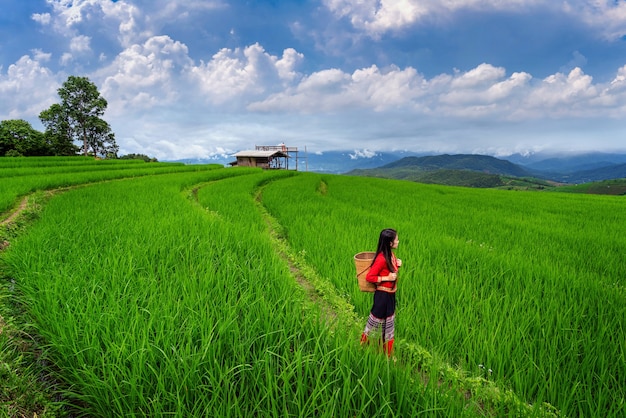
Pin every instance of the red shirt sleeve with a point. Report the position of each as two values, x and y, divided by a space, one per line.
379 268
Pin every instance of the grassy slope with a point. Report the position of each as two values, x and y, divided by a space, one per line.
227 206
235 364
501 279
480 172
28 387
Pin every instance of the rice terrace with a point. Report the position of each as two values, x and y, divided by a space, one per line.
131 288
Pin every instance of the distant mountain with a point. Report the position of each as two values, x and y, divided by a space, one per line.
614 171
339 162
456 170
480 163
334 162
486 171
567 163
409 165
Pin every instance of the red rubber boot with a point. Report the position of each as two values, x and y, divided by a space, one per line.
388 347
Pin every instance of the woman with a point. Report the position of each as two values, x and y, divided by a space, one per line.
383 272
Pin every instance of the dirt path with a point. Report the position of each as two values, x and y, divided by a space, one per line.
16 212
13 215
303 274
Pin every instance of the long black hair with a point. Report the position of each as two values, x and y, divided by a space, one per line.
385 240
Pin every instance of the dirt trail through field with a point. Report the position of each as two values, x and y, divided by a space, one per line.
301 273
28 202
16 212
11 218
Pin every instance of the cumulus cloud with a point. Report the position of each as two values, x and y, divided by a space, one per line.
364 153
158 91
70 16
562 94
80 44
244 73
160 74
43 18
30 86
608 17
377 17
144 76
482 92
41 56
333 90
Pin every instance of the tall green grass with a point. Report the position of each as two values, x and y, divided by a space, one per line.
21 163
43 174
526 289
155 306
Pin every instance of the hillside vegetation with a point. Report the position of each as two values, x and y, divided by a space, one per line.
161 289
483 171
481 163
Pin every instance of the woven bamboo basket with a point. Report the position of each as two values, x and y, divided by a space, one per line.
362 262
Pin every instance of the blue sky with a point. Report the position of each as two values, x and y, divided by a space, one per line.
205 78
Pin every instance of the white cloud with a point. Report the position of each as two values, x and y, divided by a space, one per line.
333 90
484 74
379 16
66 58
27 89
364 153
620 78
159 74
563 95
481 93
144 76
41 56
608 17
376 17
42 18
119 17
80 44
287 64
483 90
242 73
159 93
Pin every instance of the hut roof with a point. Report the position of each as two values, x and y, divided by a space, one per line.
257 154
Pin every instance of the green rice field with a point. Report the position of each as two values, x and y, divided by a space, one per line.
177 290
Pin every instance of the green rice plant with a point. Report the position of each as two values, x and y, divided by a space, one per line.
525 289
98 165
13 187
152 306
23 392
21 163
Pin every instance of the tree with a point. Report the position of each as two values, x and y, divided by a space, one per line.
58 131
100 139
78 118
143 157
18 137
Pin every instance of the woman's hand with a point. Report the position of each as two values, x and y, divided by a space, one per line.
392 277
398 262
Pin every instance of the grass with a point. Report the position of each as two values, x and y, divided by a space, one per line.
153 308
27 388
525 284
232 291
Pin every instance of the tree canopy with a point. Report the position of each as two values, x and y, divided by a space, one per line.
78 118
18 137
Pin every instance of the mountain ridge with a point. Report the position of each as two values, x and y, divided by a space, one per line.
562 168
476 170
472 162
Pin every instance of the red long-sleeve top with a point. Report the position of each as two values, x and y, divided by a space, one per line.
380 269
